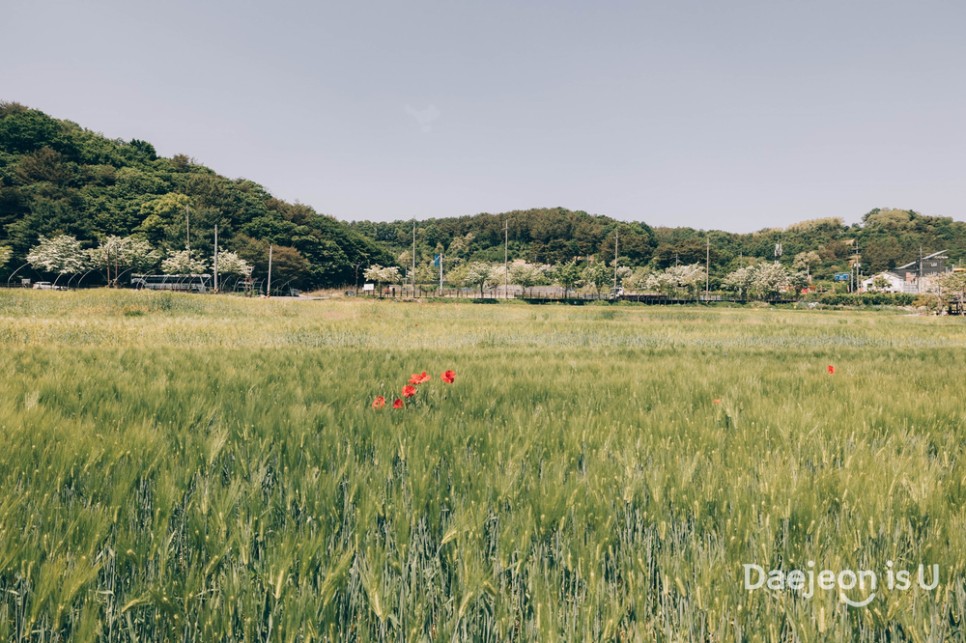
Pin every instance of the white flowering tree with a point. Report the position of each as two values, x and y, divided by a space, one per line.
598 275
637 279
771 279
527 275
688 278
61 255
480 275
229 263
182 262
381 275
120 254
673 280
764 280
740 281
623 274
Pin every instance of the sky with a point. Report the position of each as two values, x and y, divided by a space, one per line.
735 115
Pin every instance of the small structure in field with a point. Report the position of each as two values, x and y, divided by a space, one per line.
182 283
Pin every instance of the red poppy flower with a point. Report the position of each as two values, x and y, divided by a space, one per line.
409 390
421 378
397 404
379 402
716 401
830 369
449 377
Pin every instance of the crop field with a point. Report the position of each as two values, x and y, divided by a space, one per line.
191 468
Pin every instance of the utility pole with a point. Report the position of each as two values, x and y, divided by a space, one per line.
919 280
440 274
858 266
268 290
216 259
506 265
414 258
187 231
617 233
707 268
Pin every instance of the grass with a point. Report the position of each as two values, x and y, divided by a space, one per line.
181 467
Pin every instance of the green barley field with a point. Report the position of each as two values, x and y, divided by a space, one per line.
191 468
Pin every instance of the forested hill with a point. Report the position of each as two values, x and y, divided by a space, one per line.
884 239
58 178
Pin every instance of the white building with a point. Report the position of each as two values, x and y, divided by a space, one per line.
914 277
894 282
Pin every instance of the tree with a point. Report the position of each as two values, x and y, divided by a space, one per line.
805 260
480 274
289 267
687 251
181 262
569 276
764 280
770 279
5 254
119 254
164 219
229 263
62 255
527 275
953 284
740 281
674 280
879 283
687 278
381 275
598 275
623 273
637 280
288 264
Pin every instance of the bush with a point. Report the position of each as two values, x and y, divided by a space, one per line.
866 299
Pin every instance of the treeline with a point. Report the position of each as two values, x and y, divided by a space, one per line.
57 178
884 239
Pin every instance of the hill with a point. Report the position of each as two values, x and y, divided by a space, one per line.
57 177
884 239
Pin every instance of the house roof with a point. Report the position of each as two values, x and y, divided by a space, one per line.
914 262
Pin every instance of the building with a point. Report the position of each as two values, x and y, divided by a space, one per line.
914 277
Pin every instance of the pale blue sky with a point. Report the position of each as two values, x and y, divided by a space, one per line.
735 115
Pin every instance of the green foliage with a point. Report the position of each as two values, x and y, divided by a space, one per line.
866 299
568 276
542 236
57 178
479 274
598 275
819 247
